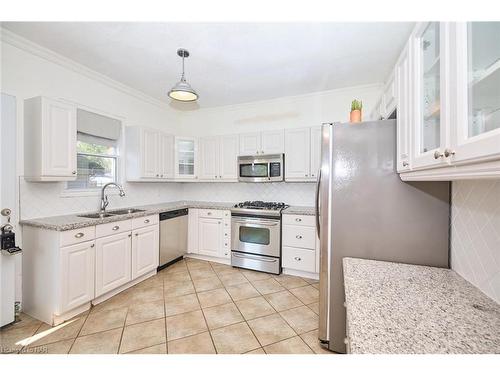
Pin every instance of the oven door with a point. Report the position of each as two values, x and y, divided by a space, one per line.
256 235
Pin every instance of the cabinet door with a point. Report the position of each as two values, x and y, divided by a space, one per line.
145 251
113 262
209 158
273 142
430 70
185 157
250 144
150 156
228 163
315 151
297 154
193 231
209 236
58 139
166 156
77 275
403 117
389 97
476 131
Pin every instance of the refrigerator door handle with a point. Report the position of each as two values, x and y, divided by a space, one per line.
318 184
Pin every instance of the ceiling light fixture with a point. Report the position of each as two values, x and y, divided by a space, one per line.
182 90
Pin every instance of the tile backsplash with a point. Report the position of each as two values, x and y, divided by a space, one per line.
47 199
475 233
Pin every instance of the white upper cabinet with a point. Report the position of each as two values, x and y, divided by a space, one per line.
166 152
219 158
149 154
259 143
452 95
186 153
273 142
476 70
403 92
430 100
49 140
209 158
228 163
302 154
250 143
315 151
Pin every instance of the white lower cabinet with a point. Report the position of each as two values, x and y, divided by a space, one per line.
300 251
112 262
65 271
209 233
77 275
145 252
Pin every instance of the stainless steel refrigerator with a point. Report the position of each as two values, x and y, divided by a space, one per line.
364 210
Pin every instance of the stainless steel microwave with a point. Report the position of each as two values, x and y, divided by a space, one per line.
261 168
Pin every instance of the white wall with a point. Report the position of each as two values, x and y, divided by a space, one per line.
475 234
282 113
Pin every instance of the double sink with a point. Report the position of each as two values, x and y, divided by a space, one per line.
100 215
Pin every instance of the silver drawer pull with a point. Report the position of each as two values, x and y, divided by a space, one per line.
79 235
298 236
297 259
146 221
209 213
255 258
298 219
116 227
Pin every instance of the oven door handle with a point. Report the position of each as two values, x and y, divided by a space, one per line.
258 223
255 258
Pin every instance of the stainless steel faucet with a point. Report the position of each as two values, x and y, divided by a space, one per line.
104 198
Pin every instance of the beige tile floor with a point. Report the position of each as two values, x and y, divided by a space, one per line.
192 306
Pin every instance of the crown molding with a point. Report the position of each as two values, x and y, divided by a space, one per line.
26 45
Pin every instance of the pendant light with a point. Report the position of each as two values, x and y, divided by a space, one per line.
182 90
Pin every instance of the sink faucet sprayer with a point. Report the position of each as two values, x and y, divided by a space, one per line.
104 198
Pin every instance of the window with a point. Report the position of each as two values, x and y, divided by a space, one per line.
97 151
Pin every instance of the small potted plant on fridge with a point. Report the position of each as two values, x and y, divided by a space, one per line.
356 107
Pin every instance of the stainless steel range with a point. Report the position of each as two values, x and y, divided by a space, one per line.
256 236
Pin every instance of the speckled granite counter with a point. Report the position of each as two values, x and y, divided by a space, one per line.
299 210
400 308
68 222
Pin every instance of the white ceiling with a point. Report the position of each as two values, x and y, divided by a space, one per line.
230 62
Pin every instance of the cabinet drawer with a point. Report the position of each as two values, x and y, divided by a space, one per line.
299 236
216 214
299 259
144 221
115 227
70 237
308 220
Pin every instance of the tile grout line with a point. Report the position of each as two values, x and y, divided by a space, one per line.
80 330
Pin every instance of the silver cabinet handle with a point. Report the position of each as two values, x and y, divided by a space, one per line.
116 227
130 235
448 152
93 245
209 213
297 259
74 172
136 234
438 154
79 235
157 175
298 219
405 163
298 236
307 175
220 176
146 221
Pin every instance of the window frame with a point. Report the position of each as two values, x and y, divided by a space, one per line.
119 165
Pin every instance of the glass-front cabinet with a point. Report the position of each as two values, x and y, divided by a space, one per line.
475 53
431 100
186 149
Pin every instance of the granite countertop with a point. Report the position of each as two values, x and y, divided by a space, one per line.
69 222
401 308
299 210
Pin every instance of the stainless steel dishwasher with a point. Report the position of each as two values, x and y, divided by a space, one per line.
173 236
